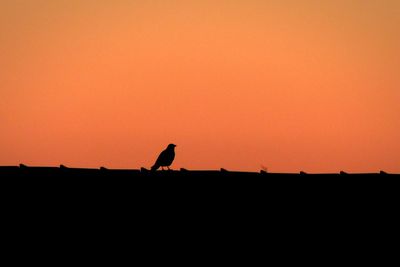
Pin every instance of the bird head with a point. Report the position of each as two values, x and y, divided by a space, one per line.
171 146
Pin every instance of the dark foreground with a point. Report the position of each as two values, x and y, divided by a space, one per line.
23 171
134 192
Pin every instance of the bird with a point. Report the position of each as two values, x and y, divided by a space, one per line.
165 158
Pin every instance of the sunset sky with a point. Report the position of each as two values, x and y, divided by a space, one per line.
291 85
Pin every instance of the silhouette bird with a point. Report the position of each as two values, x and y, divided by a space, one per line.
165 158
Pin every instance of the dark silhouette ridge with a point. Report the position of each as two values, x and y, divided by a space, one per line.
165 158
24 171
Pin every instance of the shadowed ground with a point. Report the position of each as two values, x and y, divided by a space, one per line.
24 171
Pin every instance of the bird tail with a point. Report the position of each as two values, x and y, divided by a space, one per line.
155 167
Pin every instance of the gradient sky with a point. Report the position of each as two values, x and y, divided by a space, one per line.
291 85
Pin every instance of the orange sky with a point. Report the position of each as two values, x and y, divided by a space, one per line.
291 85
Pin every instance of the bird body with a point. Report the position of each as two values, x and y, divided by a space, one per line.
165 158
